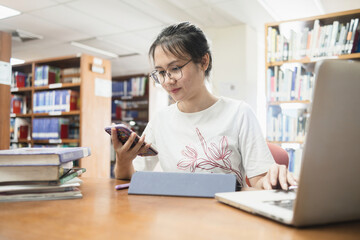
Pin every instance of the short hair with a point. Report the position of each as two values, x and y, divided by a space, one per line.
182 39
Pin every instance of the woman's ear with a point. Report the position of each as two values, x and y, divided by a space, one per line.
205 61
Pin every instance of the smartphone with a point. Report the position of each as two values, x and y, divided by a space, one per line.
123 133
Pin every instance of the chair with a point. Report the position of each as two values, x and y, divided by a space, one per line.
279 154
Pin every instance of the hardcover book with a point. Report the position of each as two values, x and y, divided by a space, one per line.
52 174
37 196
41 156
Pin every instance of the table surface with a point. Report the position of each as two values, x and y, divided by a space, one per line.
104 213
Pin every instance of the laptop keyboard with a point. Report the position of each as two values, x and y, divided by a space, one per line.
288 203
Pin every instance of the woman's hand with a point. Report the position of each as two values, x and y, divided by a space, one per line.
278 176
125 154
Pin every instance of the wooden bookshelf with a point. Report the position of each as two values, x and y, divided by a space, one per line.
291 52
127 99
128 102
88 120
5 54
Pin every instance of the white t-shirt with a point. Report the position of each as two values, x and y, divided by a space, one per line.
224 138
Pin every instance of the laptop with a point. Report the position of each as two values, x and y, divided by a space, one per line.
329 180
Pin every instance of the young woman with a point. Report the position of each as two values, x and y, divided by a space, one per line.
200 132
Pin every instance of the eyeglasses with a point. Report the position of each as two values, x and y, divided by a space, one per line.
173 72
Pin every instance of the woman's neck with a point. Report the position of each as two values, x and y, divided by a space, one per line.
198 103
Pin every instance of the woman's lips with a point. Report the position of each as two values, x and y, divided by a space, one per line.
175 90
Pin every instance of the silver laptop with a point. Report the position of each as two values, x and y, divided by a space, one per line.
329 187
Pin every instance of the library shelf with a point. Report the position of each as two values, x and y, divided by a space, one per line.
130 104
58 86
73 79
56 141
292 49
21 89
20 115
56 114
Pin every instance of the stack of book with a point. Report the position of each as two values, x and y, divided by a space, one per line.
30 174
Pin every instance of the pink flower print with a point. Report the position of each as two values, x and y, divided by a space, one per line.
216 157
191 155
221 153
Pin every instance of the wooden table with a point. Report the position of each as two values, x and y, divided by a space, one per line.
104 213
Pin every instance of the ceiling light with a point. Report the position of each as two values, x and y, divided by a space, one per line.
15 61
93 49
6 12
23 36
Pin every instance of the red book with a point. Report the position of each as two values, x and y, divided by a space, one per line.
16 105
74 100
51 77
20 80
23 132
64 131
118 111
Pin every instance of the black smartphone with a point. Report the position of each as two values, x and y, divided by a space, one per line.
123 133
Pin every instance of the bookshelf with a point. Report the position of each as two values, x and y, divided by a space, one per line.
291 50
5 53
61 106
130 103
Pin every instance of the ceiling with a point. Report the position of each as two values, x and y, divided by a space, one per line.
128 27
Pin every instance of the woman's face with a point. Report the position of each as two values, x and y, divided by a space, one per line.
191 82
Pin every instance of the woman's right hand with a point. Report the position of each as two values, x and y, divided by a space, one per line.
125 154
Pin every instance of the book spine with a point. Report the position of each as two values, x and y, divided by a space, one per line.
74 155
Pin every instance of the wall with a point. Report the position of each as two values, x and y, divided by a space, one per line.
234 71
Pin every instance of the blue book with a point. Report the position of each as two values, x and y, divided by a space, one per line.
35 130
41 156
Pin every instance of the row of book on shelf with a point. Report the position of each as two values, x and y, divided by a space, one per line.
54 128
286 124
129 109
46 101
321 41
288 84
56 101
33 174
43 128
132 87
45 75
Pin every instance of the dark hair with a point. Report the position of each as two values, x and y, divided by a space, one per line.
183 38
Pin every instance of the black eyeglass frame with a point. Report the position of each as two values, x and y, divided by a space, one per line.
154 73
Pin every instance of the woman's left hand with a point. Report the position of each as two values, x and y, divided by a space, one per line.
278 176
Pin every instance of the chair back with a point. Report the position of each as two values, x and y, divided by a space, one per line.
279 154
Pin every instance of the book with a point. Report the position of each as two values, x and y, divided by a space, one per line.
41 156
37 196
36 187
52 175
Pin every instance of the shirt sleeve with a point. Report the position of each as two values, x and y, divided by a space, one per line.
147 163
256 155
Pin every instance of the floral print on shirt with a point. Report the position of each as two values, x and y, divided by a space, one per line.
217 156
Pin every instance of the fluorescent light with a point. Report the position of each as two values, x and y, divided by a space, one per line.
6 12
93 49
15 61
